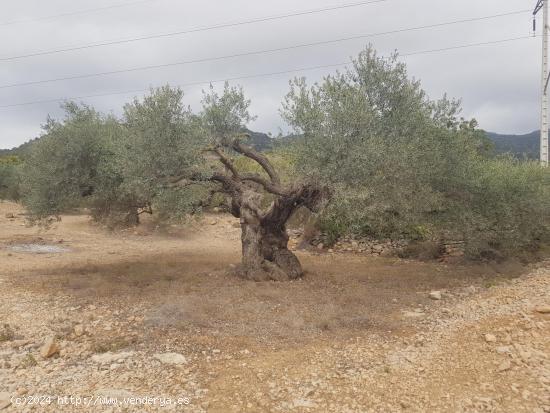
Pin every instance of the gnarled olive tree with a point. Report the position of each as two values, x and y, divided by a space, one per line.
265 255
261 200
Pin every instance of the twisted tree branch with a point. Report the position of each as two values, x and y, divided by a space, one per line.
226 161
268 186
262 160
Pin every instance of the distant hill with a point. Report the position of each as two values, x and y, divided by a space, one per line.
527 145
260 141
21 151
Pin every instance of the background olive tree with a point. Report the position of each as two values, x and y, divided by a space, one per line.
10 177
119 168
408 167
162 140
65 168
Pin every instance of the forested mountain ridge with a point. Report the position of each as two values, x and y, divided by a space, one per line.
519 145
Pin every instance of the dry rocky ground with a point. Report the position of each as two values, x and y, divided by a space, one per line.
109 316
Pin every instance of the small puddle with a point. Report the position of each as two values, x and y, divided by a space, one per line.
38 248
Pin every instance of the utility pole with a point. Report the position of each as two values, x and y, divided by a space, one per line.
543 4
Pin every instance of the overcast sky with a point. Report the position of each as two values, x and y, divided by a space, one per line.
498 84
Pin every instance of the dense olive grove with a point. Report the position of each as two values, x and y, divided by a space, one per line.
394 164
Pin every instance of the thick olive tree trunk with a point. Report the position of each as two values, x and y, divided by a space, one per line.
265 254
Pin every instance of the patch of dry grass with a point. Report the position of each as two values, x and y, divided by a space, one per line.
28 361
113 344
6 333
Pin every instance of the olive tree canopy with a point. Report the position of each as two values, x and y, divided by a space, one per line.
405 166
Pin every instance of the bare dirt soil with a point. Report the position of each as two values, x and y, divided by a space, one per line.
142 313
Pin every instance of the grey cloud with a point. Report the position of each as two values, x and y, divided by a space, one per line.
498 84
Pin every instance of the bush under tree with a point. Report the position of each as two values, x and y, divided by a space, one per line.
10 177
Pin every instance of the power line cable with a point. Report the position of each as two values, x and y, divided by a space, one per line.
75 13
183 85
194 30
464 46
219 26
303 69
235 55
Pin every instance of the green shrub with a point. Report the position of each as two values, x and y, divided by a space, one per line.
10 178
509 208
